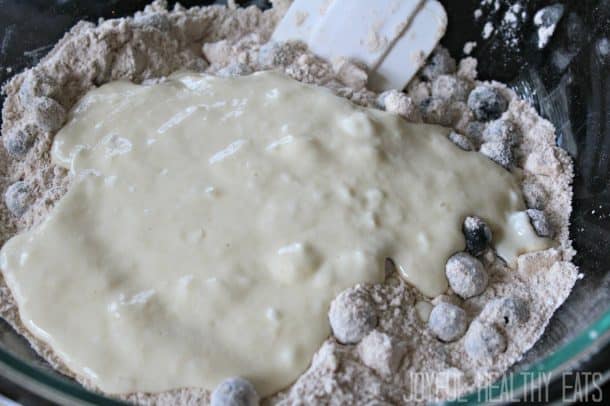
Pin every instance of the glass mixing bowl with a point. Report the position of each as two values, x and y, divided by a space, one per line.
567 81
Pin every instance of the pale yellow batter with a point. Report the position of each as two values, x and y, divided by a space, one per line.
215 219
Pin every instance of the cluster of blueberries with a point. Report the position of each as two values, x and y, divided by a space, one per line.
353 314
467 278
493 136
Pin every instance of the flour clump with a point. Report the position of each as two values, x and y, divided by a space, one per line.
382 353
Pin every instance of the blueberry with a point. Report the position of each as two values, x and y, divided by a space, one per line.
19 140
498 151
540 222
424 104
515 310
235 392
439 63
483 341
461 141
477 235
352 315
501 131
507 311
434 111
48 114
487 103
18 198
474 131
466 275
447 321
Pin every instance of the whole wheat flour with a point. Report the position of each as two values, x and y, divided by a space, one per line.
387 366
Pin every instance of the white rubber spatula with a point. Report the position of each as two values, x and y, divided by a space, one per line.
392 38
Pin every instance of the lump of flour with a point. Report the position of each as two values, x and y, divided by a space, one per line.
382 353
501 312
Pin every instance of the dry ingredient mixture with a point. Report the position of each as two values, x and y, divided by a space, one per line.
418 349
244 230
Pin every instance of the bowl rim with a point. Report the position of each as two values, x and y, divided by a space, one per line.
566 358
66 391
